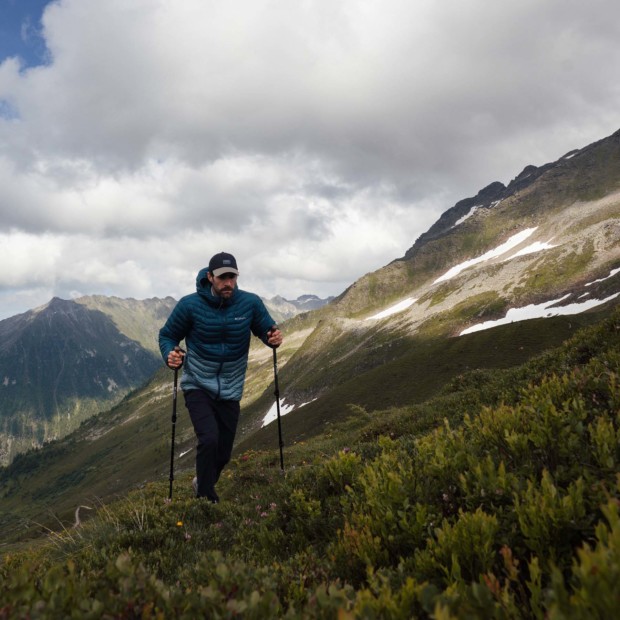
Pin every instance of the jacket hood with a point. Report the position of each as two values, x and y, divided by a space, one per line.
202 282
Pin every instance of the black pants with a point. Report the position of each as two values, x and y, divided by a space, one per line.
215 425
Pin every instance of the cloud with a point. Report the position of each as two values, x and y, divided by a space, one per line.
315 140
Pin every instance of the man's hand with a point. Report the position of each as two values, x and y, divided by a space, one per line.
175 358
274 337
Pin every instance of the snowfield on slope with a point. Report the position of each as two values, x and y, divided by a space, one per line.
537 311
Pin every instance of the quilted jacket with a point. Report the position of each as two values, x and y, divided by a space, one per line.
217 336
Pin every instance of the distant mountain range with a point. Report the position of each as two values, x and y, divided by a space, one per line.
59 365
282 309
545 245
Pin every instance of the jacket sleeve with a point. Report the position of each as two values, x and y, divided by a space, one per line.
262 322
176 328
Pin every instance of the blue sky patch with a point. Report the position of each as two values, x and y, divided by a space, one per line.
20 32
7 111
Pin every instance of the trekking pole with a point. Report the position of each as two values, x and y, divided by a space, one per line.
277 394
174 423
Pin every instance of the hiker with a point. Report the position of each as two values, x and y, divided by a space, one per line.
216 322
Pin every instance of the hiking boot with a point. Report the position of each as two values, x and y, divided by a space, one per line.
195 487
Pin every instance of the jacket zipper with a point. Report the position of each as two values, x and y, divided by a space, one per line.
223 323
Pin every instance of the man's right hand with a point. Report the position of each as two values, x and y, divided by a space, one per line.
175 358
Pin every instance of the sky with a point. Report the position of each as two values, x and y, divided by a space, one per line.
315 140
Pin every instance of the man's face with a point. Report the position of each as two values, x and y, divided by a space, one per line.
224 285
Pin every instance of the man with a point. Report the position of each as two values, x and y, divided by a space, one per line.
216 322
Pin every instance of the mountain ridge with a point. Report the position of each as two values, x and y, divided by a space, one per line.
591 174
496 191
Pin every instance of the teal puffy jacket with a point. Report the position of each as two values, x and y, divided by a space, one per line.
217 335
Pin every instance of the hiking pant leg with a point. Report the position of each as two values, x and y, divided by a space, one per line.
227 419
215 425
203 415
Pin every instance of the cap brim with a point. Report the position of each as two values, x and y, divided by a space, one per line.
222 270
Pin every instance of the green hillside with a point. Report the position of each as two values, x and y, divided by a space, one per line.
498 497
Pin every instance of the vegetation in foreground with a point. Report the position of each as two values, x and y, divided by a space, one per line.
499 498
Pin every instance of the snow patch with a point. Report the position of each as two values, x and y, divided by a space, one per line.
536 311
508 245
466 216
272 414
399 307
538 246
612 273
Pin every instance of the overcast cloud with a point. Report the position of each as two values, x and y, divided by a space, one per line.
315 140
